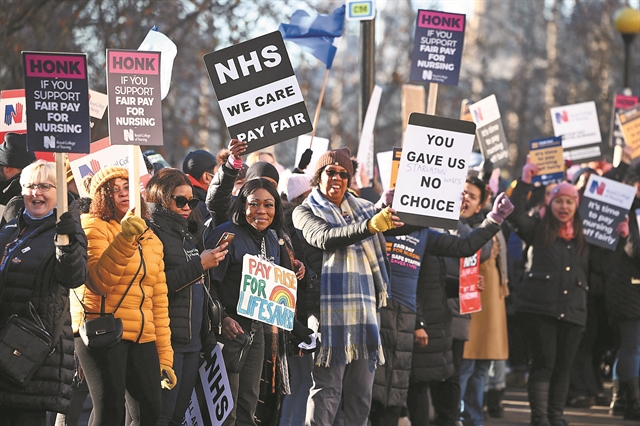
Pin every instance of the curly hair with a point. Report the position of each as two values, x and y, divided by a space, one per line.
104 207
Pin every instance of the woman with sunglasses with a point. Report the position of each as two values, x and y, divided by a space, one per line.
346 258
126 277
187 264
36 273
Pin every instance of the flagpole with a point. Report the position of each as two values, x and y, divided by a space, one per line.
315 120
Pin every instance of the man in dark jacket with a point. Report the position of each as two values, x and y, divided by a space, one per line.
198 166
13 158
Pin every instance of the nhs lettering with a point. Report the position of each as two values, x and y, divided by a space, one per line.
270 58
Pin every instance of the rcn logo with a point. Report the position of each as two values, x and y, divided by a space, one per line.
477 114
13 115
427 74
128 135
562 117
89 169
50 142
597 187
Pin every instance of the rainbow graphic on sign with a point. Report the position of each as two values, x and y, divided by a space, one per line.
282 296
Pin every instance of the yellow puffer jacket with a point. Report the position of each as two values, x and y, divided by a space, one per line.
112 264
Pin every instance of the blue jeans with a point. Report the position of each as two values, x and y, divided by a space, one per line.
176 400
294 406
629 353
473 374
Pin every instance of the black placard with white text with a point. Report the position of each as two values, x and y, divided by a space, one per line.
57 101
258 93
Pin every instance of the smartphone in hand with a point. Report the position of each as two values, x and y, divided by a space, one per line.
226 237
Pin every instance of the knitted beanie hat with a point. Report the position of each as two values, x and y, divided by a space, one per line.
298 184
338 157
564 188
263 169
104 175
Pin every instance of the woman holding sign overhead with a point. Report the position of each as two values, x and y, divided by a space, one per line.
255 214
126 278
553 302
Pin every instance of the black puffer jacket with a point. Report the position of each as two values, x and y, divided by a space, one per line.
555 279
178 236
39 272
622 290
219 194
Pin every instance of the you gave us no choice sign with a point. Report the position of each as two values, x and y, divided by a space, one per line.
258 93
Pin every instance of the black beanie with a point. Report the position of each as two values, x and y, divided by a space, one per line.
13 152
198 162
263 169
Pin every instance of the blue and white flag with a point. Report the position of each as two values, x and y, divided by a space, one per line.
155 41
318 35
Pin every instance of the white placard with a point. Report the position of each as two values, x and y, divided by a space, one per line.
97 104
578 125
433 169
384 167
365 148
319 147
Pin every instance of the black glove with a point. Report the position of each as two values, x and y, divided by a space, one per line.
305 159
302 333
66 226
486 168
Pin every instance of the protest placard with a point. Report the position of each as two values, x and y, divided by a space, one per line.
211 398
103 155
268 292
630 125
133 87
320 146
433 169
437 47
605 203
413 100
259 96
57 101
384 160
493 142
580 131
395 166
620 102
98 103
469 293
365 146
14 117
546 153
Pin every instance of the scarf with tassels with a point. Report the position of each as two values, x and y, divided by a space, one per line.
353 285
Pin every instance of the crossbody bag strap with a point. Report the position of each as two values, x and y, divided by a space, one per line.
57 330
104 298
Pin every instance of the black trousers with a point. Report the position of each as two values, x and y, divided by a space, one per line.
553 344
126 366
10 416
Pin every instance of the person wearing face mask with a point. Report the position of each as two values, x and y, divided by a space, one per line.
552 304
125 277
171 200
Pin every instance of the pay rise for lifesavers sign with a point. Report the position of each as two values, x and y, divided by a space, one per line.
268 292
437 47
258 93
57 98
604 205
433 169
133 86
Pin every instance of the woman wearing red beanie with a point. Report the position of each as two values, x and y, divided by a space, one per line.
553 303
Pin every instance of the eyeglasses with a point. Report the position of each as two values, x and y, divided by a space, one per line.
117 190
331 173
182 201
43 187
210 174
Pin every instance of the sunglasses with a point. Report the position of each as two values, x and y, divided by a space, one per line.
43 187
331 173
182 201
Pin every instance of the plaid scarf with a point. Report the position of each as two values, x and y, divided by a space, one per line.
352 279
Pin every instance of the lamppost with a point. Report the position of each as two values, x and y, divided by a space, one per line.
627 21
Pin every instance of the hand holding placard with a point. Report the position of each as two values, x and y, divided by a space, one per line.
529 171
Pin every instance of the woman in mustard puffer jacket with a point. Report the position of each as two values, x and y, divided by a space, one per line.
126 270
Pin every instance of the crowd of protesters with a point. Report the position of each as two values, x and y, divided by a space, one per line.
374 339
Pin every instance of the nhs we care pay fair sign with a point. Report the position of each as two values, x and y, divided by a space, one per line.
268 292
433 169
259 95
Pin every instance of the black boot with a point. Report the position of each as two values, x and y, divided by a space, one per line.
557 400
617 399
494 403
539 402
632 410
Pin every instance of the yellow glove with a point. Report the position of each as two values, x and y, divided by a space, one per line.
171 380
381 222
132 226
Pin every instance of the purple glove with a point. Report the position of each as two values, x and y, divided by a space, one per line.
386 199
528 171
502 208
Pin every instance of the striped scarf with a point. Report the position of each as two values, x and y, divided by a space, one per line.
352 279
